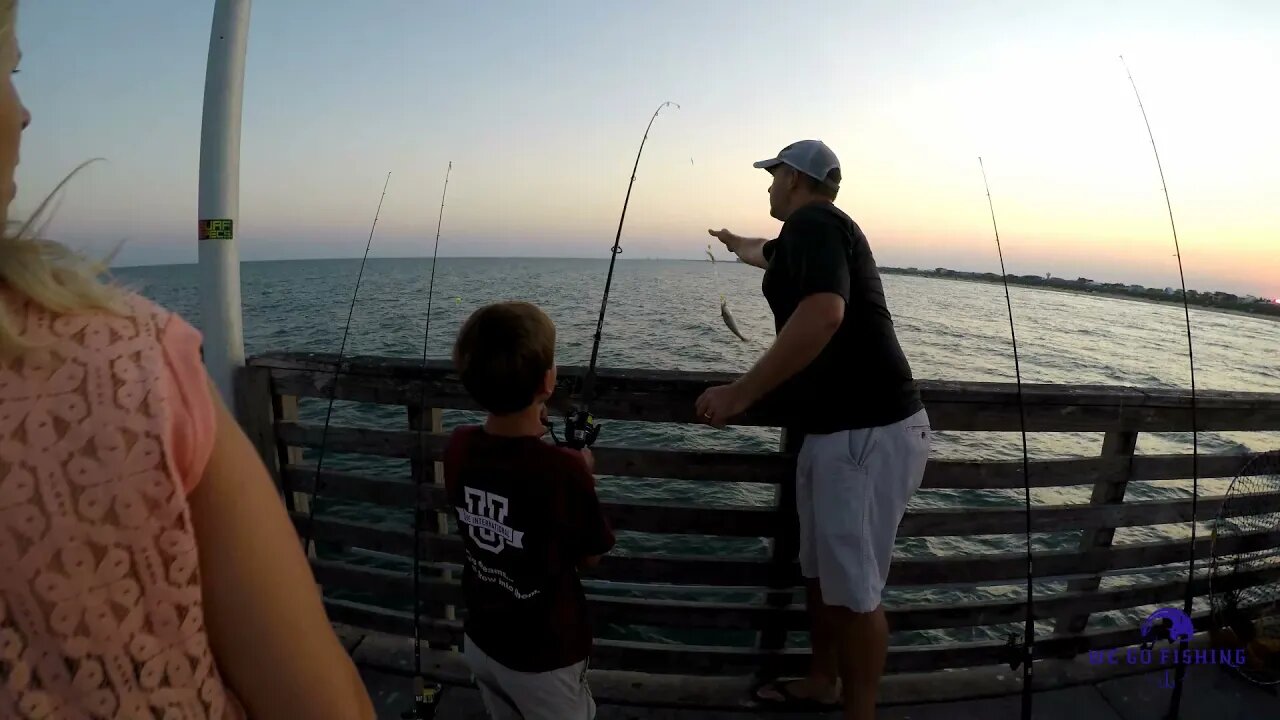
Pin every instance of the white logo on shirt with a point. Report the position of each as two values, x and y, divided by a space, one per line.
485 515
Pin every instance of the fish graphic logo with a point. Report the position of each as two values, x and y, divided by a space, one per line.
1166 623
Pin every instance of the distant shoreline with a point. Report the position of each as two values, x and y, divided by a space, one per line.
1093 293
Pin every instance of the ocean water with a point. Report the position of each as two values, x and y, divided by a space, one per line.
665 314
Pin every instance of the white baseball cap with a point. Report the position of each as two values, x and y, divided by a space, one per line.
811 157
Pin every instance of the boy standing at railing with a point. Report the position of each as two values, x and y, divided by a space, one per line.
529 519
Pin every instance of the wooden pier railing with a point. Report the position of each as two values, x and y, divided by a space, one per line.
374 597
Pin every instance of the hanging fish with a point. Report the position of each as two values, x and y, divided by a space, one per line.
728 318
724 303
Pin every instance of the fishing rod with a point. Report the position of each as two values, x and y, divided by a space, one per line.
1180 668
580 428
1028 627
337 368
425 694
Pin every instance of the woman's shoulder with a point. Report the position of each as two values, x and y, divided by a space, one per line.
133 323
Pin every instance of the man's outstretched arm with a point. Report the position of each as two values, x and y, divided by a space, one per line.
751 250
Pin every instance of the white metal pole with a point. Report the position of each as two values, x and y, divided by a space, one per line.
219 200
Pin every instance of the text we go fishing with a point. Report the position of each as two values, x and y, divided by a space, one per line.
1167 656
1173 625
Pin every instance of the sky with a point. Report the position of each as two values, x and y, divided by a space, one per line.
541 107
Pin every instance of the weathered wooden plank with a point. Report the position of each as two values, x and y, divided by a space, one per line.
710 465
1056 518
763 522
687 570
435 548
367 441
434 631
1013 565
704 519
748 572
983 392
719 660
664 518
669 397
362 488
1007 474
436 594
778 468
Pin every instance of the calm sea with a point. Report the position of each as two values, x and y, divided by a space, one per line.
665 314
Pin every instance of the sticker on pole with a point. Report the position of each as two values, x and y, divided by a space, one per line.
214 229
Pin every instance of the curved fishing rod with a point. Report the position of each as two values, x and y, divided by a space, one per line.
425 695
580 429
1028 628
1181 669
337 368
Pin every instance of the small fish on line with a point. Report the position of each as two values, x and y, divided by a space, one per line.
724 303
728 319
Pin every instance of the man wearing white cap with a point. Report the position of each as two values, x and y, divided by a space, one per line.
839 376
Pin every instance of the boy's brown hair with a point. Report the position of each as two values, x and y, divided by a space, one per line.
503 353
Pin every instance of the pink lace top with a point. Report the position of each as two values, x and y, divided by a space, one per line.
104 430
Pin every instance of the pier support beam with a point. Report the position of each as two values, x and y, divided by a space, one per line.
218 213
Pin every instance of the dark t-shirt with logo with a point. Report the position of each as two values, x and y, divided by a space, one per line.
528 514
861 378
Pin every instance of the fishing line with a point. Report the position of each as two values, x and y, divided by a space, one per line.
425 695
1181 669
337 368
1028 628
725 315
580 427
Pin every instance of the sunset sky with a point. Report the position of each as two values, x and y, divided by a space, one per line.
541 105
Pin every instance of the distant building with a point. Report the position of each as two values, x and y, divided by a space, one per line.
1135 288
1084 281
1169 291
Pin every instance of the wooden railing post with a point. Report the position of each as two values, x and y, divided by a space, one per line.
430 473
256 413
786 545
285 408
1108 490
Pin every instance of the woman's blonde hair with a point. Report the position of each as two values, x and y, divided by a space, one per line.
42 271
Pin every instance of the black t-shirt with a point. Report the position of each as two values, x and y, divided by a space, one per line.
861 378
528 514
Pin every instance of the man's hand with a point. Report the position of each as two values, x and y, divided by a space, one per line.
589 459
731 241
720 404
750 250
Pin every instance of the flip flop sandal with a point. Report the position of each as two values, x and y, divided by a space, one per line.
789 700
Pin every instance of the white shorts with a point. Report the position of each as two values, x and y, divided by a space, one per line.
560 694
852 489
